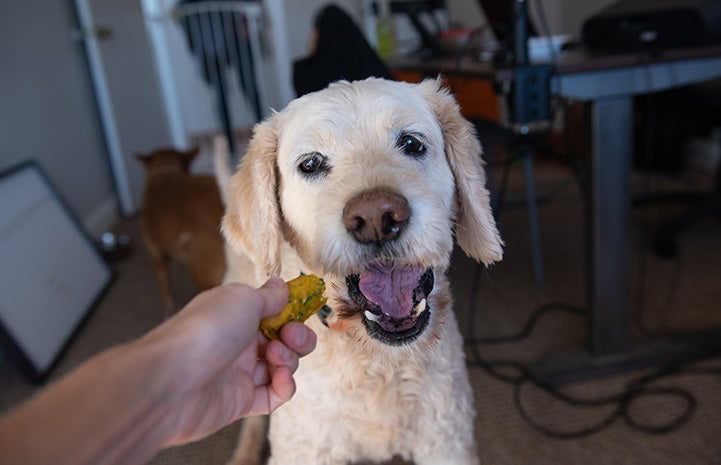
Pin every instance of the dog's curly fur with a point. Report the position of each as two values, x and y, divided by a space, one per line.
358 397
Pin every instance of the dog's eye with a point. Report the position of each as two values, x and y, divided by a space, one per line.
411 146
313 163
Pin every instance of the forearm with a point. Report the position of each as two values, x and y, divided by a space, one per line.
105 412
187 378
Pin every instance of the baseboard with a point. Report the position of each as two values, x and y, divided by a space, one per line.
103 217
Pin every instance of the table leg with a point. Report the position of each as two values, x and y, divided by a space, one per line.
611 349
609 226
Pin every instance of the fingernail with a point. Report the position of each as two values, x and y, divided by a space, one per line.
285 353
300 335
275 282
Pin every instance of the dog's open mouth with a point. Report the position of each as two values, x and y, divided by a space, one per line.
393 301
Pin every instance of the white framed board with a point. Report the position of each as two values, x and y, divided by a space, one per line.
51 274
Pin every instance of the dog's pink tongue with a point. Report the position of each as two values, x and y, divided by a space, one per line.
391 288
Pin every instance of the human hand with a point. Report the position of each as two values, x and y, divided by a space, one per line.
214 366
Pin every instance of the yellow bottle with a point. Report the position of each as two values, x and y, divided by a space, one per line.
385 32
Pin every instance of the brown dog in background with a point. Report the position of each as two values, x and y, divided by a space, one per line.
180 220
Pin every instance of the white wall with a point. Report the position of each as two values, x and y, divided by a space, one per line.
47 108
574 12
128 91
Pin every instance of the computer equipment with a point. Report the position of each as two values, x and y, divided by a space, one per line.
529 94
633 25
500 15
427 18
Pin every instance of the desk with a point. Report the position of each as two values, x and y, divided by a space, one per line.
609 83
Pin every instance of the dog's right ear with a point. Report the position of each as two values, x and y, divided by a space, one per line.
252 219
188 156
476 230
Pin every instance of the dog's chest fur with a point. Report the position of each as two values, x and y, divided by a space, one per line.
355 402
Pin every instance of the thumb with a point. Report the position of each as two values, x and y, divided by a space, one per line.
274 294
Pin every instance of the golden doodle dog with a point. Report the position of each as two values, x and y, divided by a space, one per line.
364 184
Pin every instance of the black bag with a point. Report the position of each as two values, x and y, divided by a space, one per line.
342 52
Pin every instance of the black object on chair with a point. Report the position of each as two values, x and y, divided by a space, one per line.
341 52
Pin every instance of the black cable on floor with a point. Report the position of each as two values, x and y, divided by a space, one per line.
518 375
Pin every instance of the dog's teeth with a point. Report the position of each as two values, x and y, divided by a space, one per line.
371 316
420 308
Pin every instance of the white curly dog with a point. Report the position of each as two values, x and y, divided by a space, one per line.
365 184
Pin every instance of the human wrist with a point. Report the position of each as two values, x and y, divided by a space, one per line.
131 381
149 364
162 378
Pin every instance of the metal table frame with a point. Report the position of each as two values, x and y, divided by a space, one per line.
610 87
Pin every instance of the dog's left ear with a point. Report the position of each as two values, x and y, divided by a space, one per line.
476 230
252 220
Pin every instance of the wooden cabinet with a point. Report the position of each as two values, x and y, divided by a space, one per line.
475 96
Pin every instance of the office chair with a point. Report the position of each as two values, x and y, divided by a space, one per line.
342 52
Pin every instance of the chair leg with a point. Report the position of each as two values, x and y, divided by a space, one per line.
534 231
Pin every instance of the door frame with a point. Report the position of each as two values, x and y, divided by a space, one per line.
87 33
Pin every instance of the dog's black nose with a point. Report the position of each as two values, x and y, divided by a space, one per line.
376 215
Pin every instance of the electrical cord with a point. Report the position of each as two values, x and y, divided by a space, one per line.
520 375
